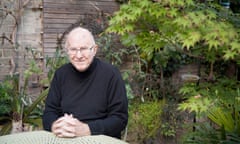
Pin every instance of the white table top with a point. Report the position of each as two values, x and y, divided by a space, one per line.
44 137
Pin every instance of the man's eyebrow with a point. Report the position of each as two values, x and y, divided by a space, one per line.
78 47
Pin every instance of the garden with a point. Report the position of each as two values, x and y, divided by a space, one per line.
180 60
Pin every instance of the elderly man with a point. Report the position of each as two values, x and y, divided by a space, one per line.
87 96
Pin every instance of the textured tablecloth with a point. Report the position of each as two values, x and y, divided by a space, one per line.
44 137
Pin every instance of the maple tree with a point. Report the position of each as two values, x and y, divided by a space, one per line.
203 30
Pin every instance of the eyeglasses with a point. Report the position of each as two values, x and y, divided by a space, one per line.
82 50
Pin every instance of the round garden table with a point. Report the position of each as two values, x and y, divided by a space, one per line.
44 137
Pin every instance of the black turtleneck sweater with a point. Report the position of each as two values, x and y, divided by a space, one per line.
96 96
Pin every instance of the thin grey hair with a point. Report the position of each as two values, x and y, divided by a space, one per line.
79 31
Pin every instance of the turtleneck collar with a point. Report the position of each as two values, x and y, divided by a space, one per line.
88 71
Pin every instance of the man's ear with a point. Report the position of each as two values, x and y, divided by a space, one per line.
95 48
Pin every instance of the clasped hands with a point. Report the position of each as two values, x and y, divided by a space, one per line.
68 126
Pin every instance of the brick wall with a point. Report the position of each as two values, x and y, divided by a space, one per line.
23 28
25 34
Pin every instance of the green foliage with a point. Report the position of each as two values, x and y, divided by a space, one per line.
145 119
223 92
168 130
5 98
207 134
163 31
20 105
130 94
111 50
196 104
232 139
27 111
33 111
201 30
53 63
219 102
204 133
229 119
138 23
207 25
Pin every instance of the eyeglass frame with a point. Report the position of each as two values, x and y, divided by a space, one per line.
76 50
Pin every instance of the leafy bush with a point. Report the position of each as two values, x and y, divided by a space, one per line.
5 99
219 104
145 119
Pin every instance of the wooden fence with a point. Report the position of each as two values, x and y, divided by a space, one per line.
61 15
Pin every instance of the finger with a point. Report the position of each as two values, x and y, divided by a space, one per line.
68 115
69 128
59 135
59 123
65 133
68 134
70 121
66 125
60 119
63 122
57 131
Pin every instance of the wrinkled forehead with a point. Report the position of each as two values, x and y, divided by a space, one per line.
79 38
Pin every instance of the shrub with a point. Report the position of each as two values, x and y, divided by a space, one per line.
145 119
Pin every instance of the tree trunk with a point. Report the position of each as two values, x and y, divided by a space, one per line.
17 126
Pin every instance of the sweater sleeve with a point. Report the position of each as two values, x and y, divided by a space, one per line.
117 117
52 105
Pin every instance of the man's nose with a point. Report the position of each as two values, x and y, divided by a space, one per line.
78 53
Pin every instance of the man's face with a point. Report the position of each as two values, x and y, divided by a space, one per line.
81 51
